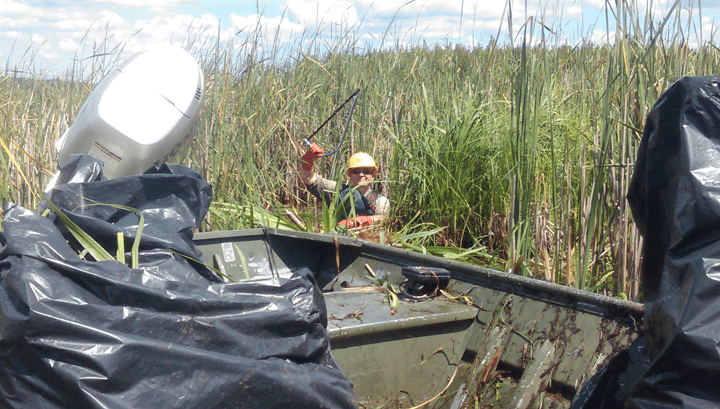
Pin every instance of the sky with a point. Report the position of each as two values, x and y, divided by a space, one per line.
45 37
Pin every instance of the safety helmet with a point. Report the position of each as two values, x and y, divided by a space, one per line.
361 160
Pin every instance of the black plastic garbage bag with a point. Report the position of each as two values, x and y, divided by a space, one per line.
173 200
169 334
675 199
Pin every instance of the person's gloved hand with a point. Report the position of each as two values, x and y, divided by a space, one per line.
356 221
314 152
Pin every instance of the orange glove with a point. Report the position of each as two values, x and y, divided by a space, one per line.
356 221
314 152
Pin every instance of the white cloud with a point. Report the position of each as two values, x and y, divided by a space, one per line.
245 25
598 37
312 12
573 11
48 53
11 7
68 45
597 4
10 34
410 9
139 3
37 38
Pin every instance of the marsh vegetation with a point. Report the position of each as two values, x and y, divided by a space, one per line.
516 155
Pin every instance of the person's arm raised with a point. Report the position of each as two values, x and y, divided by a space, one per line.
306 162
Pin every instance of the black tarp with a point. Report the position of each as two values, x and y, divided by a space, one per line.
675 200
169 334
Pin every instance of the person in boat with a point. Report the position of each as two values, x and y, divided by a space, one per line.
370 205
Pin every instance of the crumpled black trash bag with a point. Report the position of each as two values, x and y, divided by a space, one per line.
675 200
173 200
610 388
86 334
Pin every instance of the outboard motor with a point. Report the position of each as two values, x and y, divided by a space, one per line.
142 114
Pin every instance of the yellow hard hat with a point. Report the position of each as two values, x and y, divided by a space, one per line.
361 160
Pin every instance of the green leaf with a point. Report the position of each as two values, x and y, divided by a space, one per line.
135 251
421 234
256 214
87 242
243 262
121 247
215 270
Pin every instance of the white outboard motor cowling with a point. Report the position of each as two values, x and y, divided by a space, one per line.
142 114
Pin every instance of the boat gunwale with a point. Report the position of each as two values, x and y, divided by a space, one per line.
502 281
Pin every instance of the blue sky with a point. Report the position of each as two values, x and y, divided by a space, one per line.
43 36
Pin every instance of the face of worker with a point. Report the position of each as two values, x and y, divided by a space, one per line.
361 176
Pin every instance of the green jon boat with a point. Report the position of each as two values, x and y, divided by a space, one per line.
461 336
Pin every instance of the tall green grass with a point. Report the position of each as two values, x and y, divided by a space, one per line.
521 150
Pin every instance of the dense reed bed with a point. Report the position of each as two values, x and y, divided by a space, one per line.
519 152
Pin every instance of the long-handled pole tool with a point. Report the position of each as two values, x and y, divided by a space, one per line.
352 97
